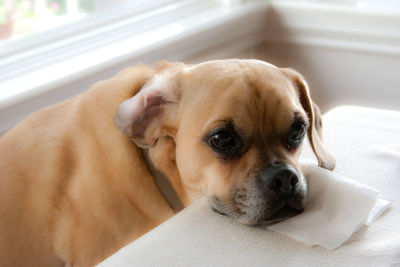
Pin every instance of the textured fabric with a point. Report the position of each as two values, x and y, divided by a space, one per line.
366 145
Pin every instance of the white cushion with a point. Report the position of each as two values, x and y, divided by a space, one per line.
366 145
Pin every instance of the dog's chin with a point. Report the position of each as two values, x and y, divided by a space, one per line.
281 215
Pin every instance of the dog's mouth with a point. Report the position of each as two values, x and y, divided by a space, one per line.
285 211
282 214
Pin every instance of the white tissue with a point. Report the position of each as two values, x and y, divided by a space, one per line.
335 208
380 206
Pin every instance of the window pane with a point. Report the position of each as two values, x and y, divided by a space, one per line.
22 17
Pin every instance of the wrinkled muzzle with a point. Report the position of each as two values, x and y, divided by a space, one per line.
276 193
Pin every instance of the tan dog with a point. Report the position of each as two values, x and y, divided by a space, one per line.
73 189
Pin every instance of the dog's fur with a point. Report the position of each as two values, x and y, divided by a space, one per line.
73 189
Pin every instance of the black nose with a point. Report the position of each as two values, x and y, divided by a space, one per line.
280 177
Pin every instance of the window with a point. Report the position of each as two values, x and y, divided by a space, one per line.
23 17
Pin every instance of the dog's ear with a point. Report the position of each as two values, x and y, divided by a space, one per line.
325 160
152 112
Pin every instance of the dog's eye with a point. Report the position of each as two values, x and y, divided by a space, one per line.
226 142
223 140
296 134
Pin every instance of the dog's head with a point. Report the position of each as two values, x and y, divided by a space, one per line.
238 128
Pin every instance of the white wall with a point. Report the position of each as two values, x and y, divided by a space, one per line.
348 55
341 77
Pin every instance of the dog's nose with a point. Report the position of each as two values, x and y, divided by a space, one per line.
280 177
284 181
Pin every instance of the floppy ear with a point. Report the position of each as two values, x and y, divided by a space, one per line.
151 113
325 160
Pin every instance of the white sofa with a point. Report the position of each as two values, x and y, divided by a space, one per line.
366 144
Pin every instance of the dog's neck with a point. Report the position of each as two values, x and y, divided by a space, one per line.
160 159
163 183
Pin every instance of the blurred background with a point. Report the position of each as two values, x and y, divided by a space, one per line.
19 18
51 50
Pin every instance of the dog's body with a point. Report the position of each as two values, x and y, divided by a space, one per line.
73 189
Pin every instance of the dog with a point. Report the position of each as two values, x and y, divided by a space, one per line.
76 179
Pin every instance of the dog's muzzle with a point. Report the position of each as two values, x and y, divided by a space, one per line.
285 189
275 194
